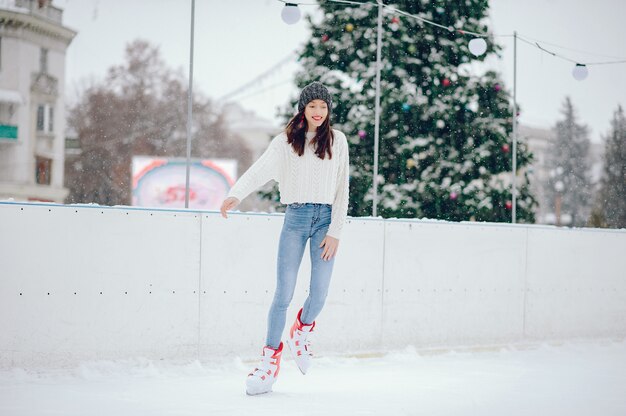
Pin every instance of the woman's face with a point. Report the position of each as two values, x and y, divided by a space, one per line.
315 112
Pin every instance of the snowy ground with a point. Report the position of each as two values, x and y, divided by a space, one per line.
574 378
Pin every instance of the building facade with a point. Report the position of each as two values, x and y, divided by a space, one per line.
33 44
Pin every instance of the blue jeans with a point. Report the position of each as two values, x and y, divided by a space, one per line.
302 222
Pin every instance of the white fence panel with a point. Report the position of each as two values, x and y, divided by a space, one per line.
576 282
448 284
96 283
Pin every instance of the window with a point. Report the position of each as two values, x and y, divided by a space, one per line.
42 170
41 109
45 118
50 119
43 61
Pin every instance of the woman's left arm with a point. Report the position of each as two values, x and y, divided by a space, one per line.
340 203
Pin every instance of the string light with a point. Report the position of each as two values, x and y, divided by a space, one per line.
477 46
290 13
580 72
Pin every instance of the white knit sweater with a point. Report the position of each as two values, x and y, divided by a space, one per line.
302 179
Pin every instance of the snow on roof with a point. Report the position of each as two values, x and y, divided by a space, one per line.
10 96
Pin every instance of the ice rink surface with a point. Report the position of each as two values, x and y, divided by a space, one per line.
571 378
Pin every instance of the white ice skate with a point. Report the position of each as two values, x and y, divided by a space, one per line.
262 378
299 342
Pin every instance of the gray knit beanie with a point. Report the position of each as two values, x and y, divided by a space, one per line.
314 91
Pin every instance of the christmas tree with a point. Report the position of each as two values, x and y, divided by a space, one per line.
570 169
445 149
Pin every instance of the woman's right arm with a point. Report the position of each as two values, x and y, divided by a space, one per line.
266 168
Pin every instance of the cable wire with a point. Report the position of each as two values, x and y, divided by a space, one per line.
259 78
537 45
528 39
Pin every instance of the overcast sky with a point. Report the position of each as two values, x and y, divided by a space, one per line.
238 40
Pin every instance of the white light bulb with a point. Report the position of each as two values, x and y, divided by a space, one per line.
580 72
477 46
558 186
290 13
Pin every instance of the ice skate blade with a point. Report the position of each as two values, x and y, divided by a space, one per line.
292 350
257 393
254 389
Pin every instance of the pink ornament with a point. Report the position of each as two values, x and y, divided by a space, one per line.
508 205
446 82
505 148
497 87
325 38
453 196
395 20
362 134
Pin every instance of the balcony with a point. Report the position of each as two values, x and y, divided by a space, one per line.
8 132
39 8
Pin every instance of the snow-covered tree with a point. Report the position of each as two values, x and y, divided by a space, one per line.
445 149
139 109
612 194
570 168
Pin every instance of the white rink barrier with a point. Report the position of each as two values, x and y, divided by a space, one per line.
88 282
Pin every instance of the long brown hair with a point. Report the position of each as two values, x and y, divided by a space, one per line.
296 136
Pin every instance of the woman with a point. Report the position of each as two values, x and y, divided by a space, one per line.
309 160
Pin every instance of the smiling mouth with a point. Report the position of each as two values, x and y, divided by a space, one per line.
317 118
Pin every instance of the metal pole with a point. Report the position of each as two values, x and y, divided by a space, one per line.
190 105
557 209
514 173
377 108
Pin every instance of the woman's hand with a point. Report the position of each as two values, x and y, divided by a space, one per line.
228 204
330 245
